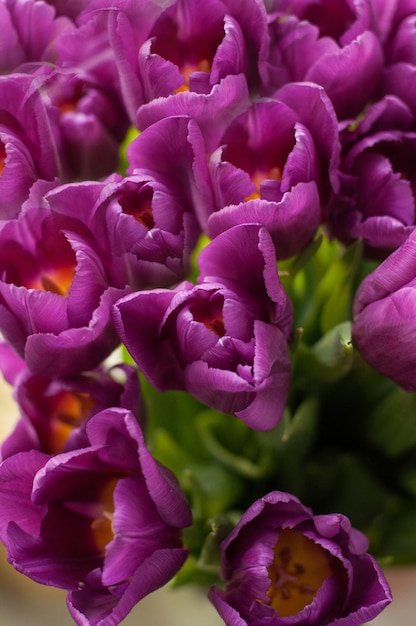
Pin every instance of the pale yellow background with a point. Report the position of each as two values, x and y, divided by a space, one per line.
24 603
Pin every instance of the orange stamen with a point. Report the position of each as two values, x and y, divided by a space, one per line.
57 281
202 66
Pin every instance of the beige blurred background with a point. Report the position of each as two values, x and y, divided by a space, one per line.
23 602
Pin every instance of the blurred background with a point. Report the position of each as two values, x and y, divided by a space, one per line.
24 602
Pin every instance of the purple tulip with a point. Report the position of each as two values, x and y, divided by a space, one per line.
88 119
143 226
187 48
151 230
384 316
30 29
329 43
282 565
172 151
54 412
376 201
55 296
103 522
223 340
276 166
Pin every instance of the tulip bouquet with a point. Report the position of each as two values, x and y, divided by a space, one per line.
207 302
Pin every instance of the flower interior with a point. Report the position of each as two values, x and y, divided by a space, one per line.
253 149
191 47
208 311
57 280
70 409
68 102
299 568
137 202
102 525
2 156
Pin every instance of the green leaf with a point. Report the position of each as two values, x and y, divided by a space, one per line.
212 490
391 426
349 484
398 541
329 359
131 134
230 441
210 557
336 288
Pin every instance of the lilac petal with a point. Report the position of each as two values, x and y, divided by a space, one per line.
223 390
159 77
370 594
230 615
350 76
16 480
48 313
161 484
139 532
88 285
18 166
315 111
387 279
156 358
12 52
49 560
231 56
231 183
271 370
382 232
400 80
292 222
213 112
23 439
11 365
59 354
254 275
90 607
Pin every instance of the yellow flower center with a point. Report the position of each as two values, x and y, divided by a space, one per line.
299 568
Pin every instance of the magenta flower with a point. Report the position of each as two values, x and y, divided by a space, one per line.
30 30
223 340
376 201
151 229
54 411
172 152
384 316
119 511
328 43
276 166
88 119
187 48
55 296
282 565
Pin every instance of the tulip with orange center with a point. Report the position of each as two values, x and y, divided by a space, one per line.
275 165
55 294
54 412
120 511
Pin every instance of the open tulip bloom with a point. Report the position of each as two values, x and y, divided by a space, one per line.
207 302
